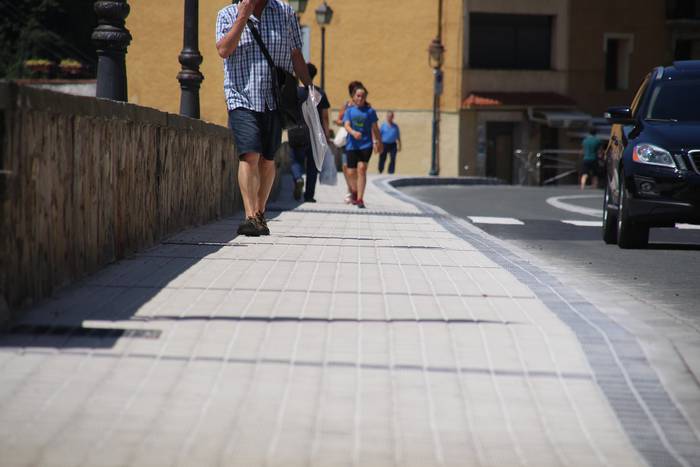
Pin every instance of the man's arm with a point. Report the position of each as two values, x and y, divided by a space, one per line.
300 67
324 124
398 140
229 42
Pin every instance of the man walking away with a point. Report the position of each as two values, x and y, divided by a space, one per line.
302 156
252 110
591 145
391 140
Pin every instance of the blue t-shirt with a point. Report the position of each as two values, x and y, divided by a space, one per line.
390 133
590 148
361 119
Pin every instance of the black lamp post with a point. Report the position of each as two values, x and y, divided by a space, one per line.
436 55
324 15
111 38
190 77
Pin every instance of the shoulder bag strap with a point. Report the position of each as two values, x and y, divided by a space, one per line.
258 39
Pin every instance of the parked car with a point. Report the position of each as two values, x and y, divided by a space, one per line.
653 157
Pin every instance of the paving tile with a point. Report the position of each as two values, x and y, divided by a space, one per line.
369 338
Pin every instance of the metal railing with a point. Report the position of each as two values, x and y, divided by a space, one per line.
546 166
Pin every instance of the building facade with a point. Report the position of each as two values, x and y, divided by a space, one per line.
518 75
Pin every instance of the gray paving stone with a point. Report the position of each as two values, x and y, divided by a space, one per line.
345 338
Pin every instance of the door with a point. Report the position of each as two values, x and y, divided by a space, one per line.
499 155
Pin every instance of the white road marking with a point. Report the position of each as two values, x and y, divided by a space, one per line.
495 220
583 223
557 202
688 226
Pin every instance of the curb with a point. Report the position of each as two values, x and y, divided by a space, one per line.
424 181
654 424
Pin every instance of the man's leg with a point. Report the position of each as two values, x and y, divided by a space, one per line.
392 159
382 161
298 161
311 173
249 181
584 178
267 177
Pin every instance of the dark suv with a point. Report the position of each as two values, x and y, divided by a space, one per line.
653 157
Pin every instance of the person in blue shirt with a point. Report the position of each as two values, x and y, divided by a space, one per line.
360 121
591 145
391 140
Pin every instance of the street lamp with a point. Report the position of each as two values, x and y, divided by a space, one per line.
436 56
111 39
324 15
190 77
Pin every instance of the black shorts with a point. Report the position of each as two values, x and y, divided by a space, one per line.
259 132
590 168
358 155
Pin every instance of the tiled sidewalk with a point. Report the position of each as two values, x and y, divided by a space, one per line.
386 336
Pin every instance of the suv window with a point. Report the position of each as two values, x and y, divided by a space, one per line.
638 97
675 100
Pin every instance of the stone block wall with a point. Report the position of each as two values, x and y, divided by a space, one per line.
85 181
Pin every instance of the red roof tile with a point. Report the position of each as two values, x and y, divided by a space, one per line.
496 99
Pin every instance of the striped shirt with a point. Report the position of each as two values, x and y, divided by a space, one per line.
247 75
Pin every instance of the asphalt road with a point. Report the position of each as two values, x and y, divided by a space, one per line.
667 272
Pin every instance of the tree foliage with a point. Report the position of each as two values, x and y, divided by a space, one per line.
45 29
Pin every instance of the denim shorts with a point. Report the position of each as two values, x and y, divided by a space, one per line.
258 132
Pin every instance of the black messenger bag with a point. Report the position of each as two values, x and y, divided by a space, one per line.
284 87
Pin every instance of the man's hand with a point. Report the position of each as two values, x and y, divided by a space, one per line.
228 44
245 8
356 134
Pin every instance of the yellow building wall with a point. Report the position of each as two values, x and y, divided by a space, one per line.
383 43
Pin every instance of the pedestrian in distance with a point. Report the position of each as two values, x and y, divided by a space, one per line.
360 121
591 145
248 87
344 155
302 156
391 140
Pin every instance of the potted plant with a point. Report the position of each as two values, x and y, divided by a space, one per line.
70 68
39 66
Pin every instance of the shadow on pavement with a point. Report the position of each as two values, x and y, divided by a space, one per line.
674 246
90 313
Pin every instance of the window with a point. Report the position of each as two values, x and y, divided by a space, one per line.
687 49
675 100
639 95
618 49
683 9
514 42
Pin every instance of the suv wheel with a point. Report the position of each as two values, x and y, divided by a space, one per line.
630 234
609 219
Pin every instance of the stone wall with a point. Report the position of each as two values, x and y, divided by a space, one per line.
84 182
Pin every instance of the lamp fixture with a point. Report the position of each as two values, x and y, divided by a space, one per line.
324 14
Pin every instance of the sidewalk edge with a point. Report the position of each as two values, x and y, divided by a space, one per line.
662 434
